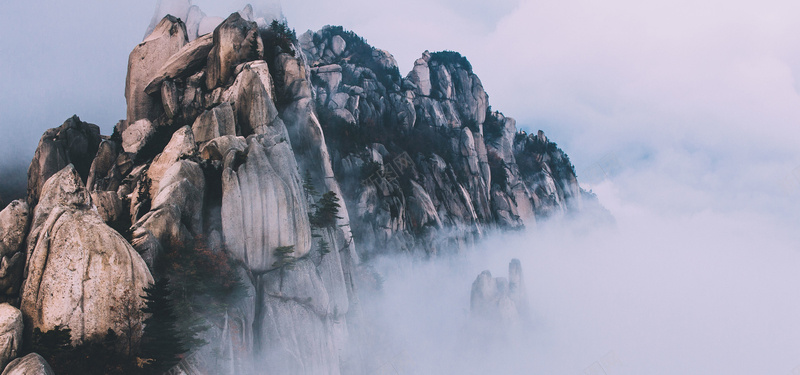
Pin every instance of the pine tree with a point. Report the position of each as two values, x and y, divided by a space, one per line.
324 247
285 258
161 340
327 211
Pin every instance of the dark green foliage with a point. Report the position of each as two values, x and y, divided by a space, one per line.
308 186
492 127
204 283
254 53
277 38
324 247
327 211
52 342
360 53
451 58
161 341
97 356
286 258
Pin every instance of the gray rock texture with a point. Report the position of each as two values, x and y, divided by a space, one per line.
10 333
77 267
31 364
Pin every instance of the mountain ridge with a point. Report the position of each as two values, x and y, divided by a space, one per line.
241 139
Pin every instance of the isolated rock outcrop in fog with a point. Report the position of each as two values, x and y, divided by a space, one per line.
500 300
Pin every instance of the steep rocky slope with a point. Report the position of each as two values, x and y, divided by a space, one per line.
227 138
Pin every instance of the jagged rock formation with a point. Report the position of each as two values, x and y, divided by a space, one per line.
229 132
425 152
10 333
31 364
500 300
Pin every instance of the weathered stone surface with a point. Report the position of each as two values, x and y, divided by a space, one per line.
10 333
73 142
176 214
144 63
77 267
108 205
184 63
104 173
338 45
180 145
136 135
235 41
251 96
31 364
214 123
218 148
169 99
263 204
421 75
295 314
14 222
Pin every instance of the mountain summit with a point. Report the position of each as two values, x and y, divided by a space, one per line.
258 172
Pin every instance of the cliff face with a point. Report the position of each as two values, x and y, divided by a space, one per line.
425 154
227 138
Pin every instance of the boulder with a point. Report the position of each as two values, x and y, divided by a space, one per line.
73 142
144 63
14 221
186 62
77 268
31 364
10 333
218 148
338 45
136 135
236 40
263 204
214 123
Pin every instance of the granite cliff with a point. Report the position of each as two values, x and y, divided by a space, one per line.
235 135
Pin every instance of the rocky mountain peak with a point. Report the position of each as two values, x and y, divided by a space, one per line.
290 160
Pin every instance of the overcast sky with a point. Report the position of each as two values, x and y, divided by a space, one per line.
684 117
